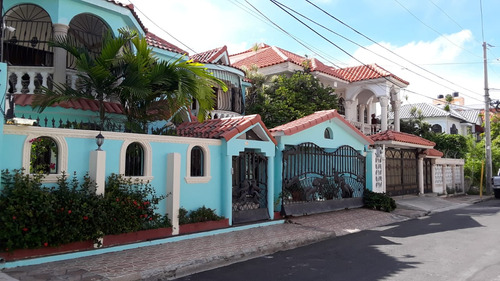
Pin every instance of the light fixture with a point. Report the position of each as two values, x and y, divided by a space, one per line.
99 140
34 41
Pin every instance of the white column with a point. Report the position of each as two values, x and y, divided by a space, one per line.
384 102
433 175
97 169
443 167
421 174
361 111
350 110
173 189
369 112
396 107
60 30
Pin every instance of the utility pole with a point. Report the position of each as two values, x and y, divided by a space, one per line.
487 134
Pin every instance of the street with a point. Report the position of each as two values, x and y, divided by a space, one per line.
460 244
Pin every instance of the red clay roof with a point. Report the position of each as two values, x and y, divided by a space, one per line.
401 137
223 128
208 56
433 152
83 104
314 119
270 55
160 43
367 72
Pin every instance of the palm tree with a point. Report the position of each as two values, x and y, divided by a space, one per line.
126 71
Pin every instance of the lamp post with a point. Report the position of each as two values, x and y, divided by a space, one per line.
99 140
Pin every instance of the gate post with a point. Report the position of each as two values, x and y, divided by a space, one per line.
270 189
173 189
227 188
421 174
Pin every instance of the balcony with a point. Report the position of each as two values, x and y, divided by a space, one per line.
369 129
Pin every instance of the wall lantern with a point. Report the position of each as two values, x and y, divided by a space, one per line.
99 140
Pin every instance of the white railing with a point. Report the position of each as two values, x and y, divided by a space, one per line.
25 79
217 114
369 129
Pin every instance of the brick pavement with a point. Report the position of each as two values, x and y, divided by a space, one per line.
175 259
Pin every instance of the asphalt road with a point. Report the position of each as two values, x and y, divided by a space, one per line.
460 244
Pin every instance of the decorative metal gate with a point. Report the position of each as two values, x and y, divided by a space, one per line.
401 171
249 187
427 176
314 179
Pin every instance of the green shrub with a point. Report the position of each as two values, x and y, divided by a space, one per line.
378 201
201 214
37 216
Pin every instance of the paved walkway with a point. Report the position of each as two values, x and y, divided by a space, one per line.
175 259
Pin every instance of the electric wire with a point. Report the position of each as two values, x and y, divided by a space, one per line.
437 32
389 50
373 52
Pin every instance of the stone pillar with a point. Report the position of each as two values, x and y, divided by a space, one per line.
384 102
369 113
443 167
173 189
350 110
396 107
421 174
60 30
433 175
97 169
361 109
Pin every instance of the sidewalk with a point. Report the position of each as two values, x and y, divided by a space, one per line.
175 259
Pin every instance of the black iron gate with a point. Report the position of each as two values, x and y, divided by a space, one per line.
401 171
316 180
427 176
249 187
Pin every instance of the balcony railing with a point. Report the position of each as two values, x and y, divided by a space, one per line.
26 79
369 129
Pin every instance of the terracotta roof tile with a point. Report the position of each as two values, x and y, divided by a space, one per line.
367 72
390 135
208 56
433 152
314 119
83 104
160 43
270 55
225 128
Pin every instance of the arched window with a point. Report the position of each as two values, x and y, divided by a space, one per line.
87 30
328 134
436 128
26 36
134 160
341 109
43 156
197 159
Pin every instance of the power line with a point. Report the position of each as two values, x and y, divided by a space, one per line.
389 50
433 3
437 32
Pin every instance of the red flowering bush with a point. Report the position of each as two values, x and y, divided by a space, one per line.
34 215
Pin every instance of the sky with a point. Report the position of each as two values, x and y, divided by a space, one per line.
435 45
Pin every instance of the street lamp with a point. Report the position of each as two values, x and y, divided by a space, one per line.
99 140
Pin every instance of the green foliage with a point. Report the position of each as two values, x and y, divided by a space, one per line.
415 125
43 149
288 98
38 216
475 155
201 214
453 146
378 201
127 71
